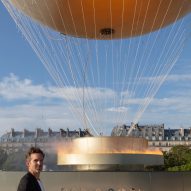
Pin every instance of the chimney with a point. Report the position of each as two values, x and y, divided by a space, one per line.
49 132
68 132
62 133
80 132
24 133
182 132
38 132
12 133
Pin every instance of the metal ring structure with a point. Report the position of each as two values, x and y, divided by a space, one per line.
108 153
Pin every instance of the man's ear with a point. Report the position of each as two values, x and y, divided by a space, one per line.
27 163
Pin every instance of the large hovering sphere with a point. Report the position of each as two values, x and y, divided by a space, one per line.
104 19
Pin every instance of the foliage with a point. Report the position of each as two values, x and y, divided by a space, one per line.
50 162
155 168
178 158
3 157
15 161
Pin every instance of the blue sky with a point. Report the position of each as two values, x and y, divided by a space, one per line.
30 99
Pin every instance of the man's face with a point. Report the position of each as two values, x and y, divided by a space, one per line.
35 163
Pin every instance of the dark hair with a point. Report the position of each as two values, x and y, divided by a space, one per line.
33 150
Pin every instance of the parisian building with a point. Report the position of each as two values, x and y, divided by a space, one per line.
157 135
47 140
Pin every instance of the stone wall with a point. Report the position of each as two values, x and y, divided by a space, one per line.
106 181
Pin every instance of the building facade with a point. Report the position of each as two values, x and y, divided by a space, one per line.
22 140
157 135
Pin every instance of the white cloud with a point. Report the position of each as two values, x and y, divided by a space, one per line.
174 112
165 102
179 77
136 101
118 109
169 78
176 104
31 117
73 94
103 114
12 88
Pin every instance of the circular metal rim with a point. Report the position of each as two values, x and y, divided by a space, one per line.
110 159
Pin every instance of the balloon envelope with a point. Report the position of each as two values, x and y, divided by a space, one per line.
104 19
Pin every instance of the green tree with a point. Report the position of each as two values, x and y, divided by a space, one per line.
3 157
178 158
15 161
50 162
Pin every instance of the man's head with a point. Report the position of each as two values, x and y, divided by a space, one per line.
34 161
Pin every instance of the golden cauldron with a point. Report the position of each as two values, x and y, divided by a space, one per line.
108 153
